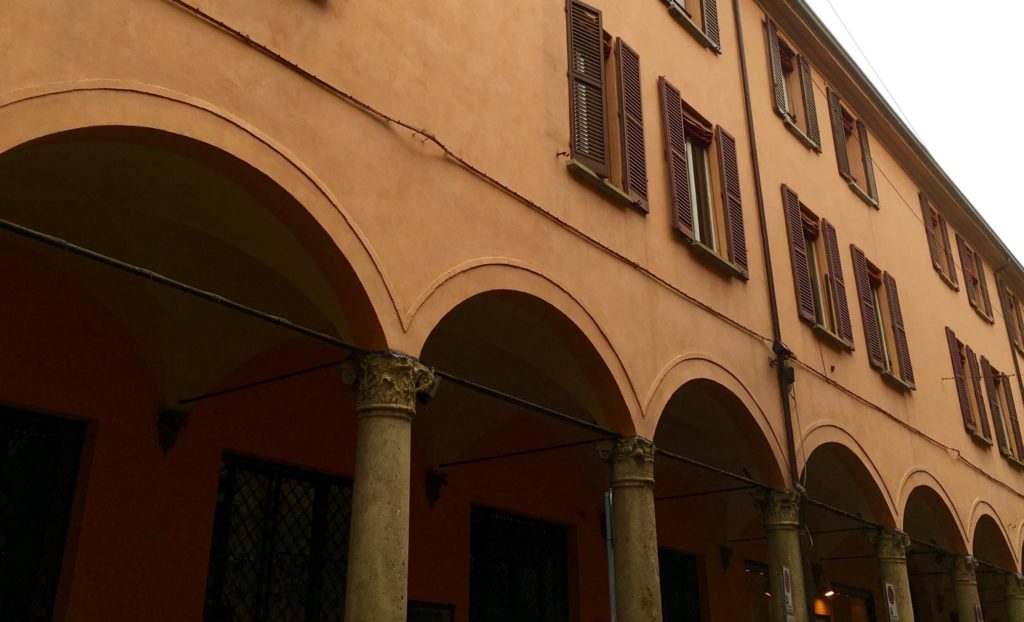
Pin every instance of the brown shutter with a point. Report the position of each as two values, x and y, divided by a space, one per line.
867 307
775 62
947 249
730 178
1011 414
865 152
675 154
967 265
979 399
979 265
839 134
798 256
710 19
1006 304
587 114
634 156
960 380
835 272
993 404
929 216
811 110
898 329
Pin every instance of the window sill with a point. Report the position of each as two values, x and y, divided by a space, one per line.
1014 461
948 281
978 438
864 196
680 16
897 382
983 315
795 130
713 259
831 338
605 187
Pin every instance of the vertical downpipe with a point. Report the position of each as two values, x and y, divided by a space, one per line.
608 527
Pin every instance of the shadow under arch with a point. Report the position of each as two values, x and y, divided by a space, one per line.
928 515
989 539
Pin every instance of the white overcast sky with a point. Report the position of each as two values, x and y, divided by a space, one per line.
956 69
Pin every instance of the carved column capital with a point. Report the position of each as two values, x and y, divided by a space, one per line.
891 544
964 567
388 382
631 459
1015 587
781 508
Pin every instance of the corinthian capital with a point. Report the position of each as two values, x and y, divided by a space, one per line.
388 381
891 544
964 569
780 507
631 459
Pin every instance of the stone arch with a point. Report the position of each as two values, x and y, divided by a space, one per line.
922 484
990 540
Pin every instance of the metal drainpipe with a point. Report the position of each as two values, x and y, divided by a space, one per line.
784 372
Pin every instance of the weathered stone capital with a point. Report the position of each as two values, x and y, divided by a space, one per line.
631 459
964 568
1015 587
388 382
891 544
781 508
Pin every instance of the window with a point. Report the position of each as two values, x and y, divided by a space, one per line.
680 586
280 544
817 272
974 279
1000 401
706 204
884 331
758 589
938 242
851 603
1012 315
700 18
967 377
792 89
852 151
606 109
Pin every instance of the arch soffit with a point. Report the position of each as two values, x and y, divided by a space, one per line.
981 509
826 432
45 110
698 366
490 274
920 478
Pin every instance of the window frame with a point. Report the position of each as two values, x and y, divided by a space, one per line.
937 236
973 268
882 317
705 27
790 84
845 128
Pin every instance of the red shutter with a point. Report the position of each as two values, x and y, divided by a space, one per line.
810 109
798 256
979 265
675 154
867 307
979 399
835 273
947 249
898 329
730 178
929 215
634 156
993 405
839 134
960 380
967 265
587 115
869 168
710 19
1011 414
775 65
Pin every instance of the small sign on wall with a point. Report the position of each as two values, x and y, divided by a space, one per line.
890 599
787 590
977 614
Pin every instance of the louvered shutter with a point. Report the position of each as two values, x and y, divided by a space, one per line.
867 307
960 380
730 177
993 404
631 122
1006 304
929 216
947 249
810 108
798 256
835 273
587 113
898 329
775 60
967 265
835 111
983 283
979 399
1011 414
675 155
710 19
869 168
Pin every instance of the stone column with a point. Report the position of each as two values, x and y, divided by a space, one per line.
634 533
1015 598
387 385
965 589
782 526
891 545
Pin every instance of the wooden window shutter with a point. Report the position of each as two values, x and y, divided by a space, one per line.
835 273
867 307
710 20
865 152
967 265
810 109
960 380
587 115
835 110
1011 414
979 399
675 155
798 256
775 60
993 405
1006 304
634 154
944 234
979 266
730 176
930 216
898 329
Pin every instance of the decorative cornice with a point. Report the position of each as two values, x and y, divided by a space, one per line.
780 508
891 544
388 382
964 568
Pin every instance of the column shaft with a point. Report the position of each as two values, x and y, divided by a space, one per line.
1015 598
965 589
782 526
891 545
